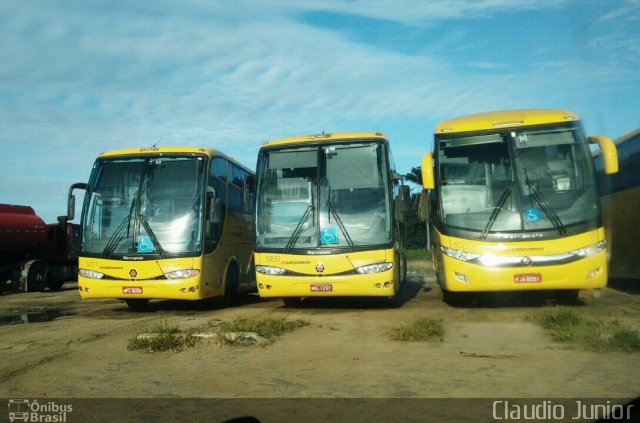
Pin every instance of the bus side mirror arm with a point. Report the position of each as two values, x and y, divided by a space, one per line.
608 152
71 201
428 181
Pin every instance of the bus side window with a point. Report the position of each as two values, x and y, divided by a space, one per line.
216 203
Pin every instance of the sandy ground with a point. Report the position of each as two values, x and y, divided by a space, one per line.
491 349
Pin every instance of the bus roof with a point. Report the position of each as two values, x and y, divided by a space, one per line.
504 119
142 151
331 137
627 136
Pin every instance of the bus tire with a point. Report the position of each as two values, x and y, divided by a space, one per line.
292 302
138 304
231 282
403 268
567 296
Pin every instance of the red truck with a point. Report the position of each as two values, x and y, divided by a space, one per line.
35 255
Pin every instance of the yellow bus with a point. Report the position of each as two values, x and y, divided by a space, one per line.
326 219
165 223
514 204
620 198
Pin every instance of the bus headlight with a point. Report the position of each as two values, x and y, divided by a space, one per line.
374 268
591 250
90 274
270 270
182 274
458 254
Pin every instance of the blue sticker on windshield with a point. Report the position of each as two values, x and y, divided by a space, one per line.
144 244
532 215
329 236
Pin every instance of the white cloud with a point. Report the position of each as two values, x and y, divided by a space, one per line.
78 78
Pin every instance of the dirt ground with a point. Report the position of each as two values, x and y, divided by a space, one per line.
55 345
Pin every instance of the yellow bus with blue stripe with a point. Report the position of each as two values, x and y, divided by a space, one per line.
326 220
166 223
514 204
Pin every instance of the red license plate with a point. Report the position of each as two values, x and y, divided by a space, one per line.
321 287
132 290
528 278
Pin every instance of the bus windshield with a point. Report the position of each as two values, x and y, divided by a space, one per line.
324 196
147 206
517 181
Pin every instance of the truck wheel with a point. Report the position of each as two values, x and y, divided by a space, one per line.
34 275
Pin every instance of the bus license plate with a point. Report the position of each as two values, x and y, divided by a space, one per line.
528 278
132 290
321 287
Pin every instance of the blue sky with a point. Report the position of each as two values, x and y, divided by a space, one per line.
81 77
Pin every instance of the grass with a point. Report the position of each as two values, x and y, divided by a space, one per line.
268 327
421 329
567 326
418 254
163 337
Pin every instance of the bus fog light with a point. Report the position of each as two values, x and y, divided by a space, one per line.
387 284
183 290
378 285
261 286
193 289
593 273
461 277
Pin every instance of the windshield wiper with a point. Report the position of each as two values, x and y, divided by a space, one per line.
118 234
152 235
546 207
496 211
336 216
298 230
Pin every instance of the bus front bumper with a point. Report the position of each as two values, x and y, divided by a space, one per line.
586 273
370 285
172 289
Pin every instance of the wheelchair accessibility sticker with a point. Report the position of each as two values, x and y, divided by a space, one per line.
532 215
329 235
144 244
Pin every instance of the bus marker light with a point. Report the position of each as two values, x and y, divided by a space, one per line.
461 277
593 273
